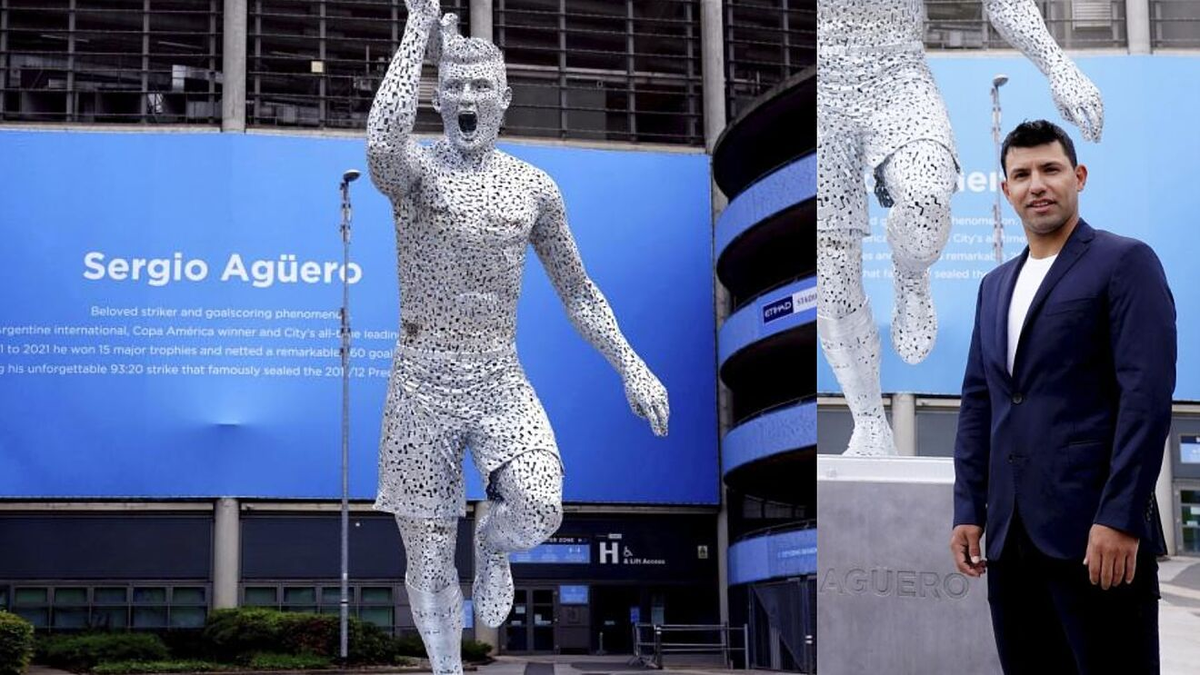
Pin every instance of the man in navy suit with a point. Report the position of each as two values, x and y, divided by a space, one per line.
1066 405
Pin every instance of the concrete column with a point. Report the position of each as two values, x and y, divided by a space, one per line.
233 67
712 50
481 19
904 424
227 553
1137 25
483 632
1164 490
723 557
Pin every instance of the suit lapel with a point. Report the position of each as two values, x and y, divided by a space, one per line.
1008 284
1075 247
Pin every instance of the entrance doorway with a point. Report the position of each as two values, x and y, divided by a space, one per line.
531 624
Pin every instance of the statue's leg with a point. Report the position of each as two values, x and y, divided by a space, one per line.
845 324
525 508
850 339
920 177
433 590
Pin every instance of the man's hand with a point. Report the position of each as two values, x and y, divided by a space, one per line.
429 11
647 398
1078 100
964 546
1111 556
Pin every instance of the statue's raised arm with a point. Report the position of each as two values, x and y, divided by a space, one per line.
1077 99
392 155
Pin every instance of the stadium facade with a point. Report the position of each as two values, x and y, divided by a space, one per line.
170 378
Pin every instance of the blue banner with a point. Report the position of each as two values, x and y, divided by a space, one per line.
170 323
1140 184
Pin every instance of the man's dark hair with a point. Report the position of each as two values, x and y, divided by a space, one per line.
1032 134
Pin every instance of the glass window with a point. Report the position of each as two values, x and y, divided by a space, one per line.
332 595
3 597
309 609
295 595
188 617
150 595
261 596
150 617
380 616
31 596
379 594
187 595
110 617
70 596
37 617
110 595
76 617
1189 520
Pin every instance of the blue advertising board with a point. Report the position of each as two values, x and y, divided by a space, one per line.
1140 184
170 318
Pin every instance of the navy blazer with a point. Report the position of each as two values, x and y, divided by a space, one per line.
1075 435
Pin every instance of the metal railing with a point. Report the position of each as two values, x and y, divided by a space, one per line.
650 643
621 71
1175 24
111 61
1075 24
765 42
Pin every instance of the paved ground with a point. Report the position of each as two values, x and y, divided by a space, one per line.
1179 615
1179 631
598 665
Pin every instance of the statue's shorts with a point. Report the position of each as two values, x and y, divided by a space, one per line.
440 403
870 103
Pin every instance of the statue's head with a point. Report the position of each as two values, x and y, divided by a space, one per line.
472 92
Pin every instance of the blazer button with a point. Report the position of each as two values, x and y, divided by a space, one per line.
1017 398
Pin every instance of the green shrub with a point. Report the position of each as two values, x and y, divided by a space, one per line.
235 635
133 667
409 644
84 652
16 644
288 662
475 651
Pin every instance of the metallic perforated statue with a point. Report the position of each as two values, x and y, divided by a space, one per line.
879 111
465 215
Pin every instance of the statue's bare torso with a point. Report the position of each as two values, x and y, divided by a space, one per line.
461 242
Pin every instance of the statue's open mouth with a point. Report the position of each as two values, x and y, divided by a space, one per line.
467 121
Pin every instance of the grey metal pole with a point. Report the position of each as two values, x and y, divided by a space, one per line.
998 222
233 66
745 648
658 660
345 353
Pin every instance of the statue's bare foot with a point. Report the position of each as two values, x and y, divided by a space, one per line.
914 321
492 591
872 437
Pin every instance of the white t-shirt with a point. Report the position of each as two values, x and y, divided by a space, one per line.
1032 273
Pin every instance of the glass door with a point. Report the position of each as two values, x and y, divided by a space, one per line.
532 623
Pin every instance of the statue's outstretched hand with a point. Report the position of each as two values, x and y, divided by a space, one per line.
429 10
647 398
1078 100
